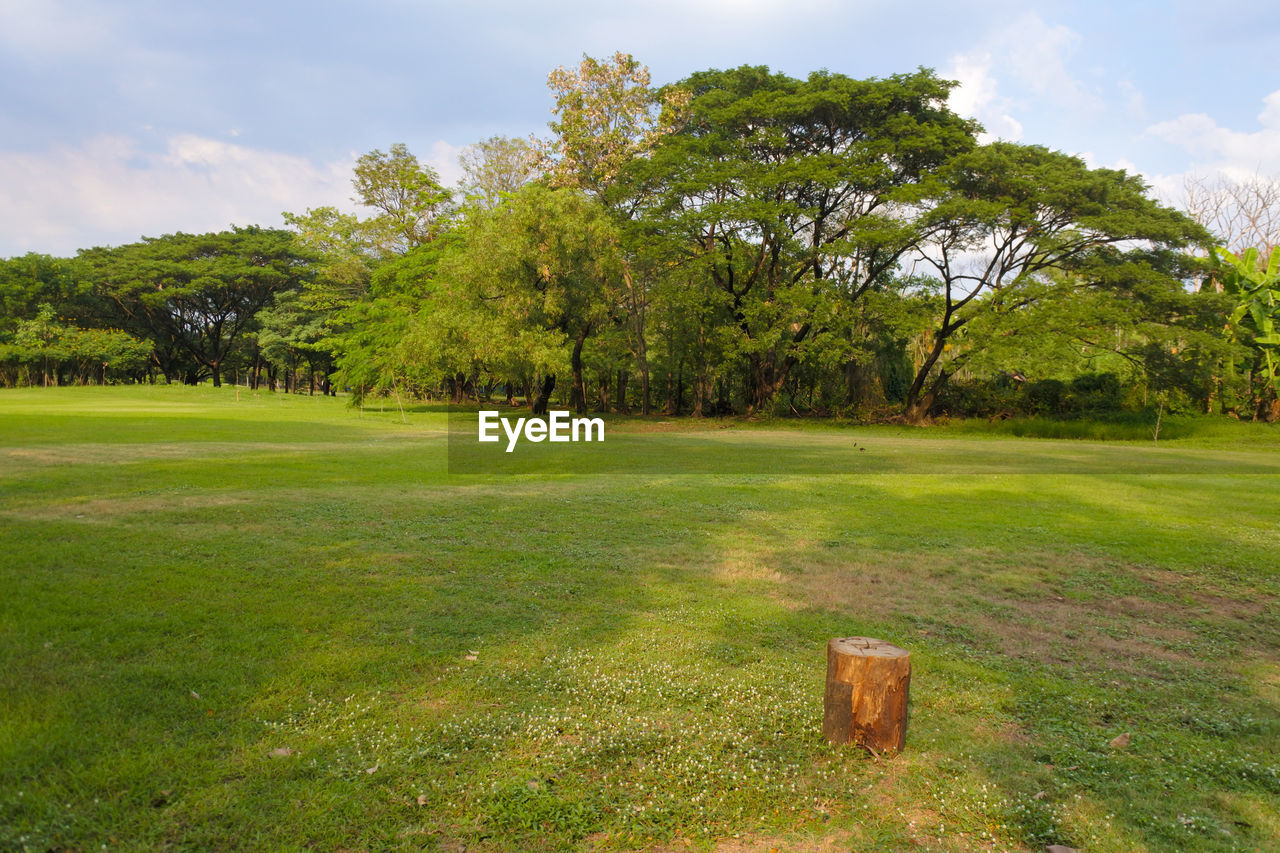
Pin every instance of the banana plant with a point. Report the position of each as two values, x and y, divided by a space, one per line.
1255 321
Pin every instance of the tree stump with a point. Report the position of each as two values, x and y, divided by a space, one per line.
866 702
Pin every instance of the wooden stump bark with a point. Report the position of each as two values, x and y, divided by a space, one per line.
866 701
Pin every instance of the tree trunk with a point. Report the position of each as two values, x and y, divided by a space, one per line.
620 397
679 387
767 378
636 304
868 682
578 393
604 392
918 403
544 395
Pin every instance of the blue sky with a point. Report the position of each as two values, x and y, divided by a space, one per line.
141 117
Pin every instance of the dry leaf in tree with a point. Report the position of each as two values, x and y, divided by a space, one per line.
1120 742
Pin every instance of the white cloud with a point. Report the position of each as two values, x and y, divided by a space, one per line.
976 97
50 28
1091 160
1030 57
109 191
1038 53
1234 153
1135 103
444 159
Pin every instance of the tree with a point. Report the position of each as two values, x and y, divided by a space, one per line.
345 252
291 332
497 167
606 116
407 195
33 280
1240 214
193 295
1253 280
410 205
68 353
1131 318
1004 213
540 273
786 195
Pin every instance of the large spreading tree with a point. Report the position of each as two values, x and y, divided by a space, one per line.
787 196
194 295
1005 213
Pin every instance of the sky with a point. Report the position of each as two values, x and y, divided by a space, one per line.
134 118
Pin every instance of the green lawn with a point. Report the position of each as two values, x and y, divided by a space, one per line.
266 622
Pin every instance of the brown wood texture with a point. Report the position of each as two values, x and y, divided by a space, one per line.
868 682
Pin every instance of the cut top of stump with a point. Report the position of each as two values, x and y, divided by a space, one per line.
867 647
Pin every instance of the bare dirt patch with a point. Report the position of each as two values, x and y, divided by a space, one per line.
1052 615
107 509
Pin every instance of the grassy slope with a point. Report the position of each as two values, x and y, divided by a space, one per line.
190 583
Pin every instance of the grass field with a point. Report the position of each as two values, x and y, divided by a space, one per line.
265 622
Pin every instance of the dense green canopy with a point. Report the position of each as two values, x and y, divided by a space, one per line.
737 241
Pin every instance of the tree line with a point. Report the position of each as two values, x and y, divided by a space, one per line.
739 241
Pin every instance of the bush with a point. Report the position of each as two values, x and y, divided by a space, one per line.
1044 397
1094 392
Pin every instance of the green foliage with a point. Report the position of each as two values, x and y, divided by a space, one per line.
345 251
495 167
781 193
407 195
540 274
740 240
1007 224
1086 395
193 295
290 332
371 342
1254 283
31 281
606 116
47 352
